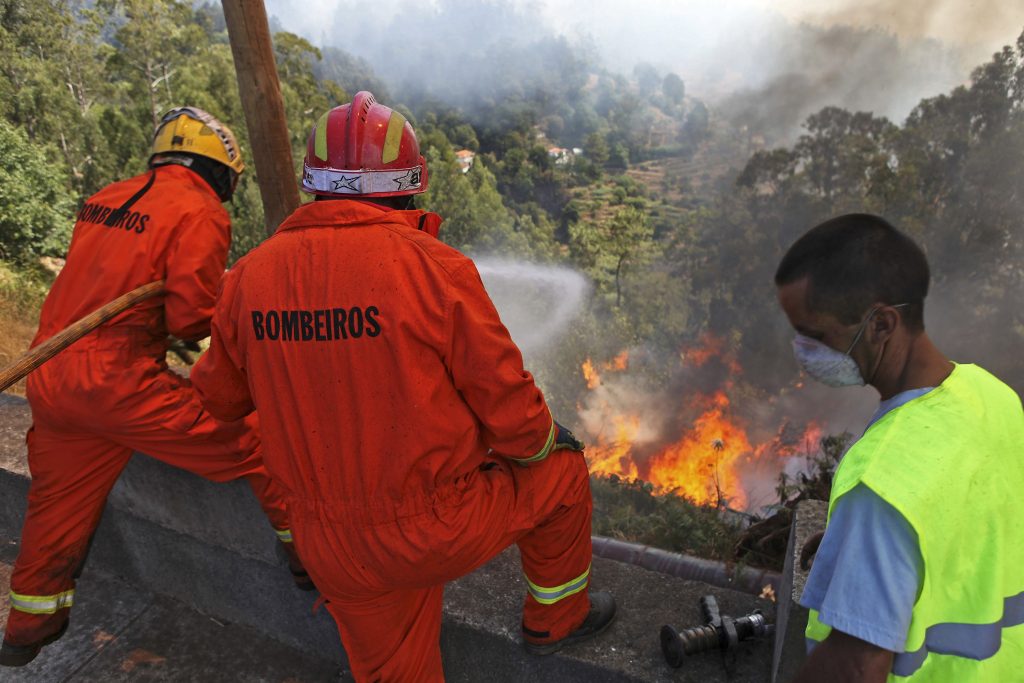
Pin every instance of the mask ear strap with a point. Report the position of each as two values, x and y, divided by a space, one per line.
860 331
878 363
881 354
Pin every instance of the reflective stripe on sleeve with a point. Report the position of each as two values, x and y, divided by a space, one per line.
549 596
284 535
542 453
971 641
42 604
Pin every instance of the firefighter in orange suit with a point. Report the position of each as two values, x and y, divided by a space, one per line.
396 410
111 393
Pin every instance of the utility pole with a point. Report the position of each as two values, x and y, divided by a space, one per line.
249 33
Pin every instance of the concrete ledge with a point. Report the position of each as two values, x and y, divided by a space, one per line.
790 648
209 546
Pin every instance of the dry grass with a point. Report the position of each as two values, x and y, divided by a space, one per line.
21 297
17 335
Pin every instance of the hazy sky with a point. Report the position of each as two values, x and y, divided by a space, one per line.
972 24
975 24
975 28
783 48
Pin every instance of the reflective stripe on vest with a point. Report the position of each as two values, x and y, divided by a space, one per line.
549 596
42 604
973 641
284 535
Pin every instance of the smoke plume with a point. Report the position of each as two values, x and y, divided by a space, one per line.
767 65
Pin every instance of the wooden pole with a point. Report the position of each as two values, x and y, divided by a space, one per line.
260 89
75 331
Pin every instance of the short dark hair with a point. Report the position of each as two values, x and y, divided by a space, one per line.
854 261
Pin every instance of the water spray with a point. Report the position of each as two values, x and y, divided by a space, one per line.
536 302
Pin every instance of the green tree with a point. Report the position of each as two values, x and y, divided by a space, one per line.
673 88
153 39
596 149
52 83
842 151
697 124
647 78
475 219
606 248
35 209
305 97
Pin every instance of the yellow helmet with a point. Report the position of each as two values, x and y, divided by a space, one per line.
194 131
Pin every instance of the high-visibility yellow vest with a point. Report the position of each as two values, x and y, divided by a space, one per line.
952 463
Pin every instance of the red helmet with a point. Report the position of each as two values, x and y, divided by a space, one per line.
363 149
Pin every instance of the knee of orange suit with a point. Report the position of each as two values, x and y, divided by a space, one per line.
572 471
420 664
578 468
395 637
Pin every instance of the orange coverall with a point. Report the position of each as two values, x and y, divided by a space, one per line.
394 406
111 393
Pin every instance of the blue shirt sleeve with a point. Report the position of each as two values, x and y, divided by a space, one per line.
867 573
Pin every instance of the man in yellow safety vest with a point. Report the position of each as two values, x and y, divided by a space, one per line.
920 572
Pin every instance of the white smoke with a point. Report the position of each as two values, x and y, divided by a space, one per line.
882 56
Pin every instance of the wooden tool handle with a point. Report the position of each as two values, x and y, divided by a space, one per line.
75 331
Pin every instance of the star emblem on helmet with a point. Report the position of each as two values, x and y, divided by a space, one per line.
410 180
345 183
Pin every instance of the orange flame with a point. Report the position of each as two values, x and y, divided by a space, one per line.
593 377
711 346
701 466
613 457
620 362
704 464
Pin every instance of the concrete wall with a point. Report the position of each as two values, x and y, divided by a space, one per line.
790 648
208 545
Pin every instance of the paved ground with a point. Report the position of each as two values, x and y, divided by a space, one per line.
122 633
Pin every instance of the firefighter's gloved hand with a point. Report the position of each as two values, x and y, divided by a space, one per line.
184 349
564 439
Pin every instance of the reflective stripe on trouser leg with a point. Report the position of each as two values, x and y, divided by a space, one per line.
549 596
42 604
284 535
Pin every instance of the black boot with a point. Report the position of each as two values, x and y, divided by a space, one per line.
602 613
20 655
299 574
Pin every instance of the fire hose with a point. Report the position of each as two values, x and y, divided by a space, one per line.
719 632
75 331
746 579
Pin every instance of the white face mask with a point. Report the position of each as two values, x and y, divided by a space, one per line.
828 366
825 364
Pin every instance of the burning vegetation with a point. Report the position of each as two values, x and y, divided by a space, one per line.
691 441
